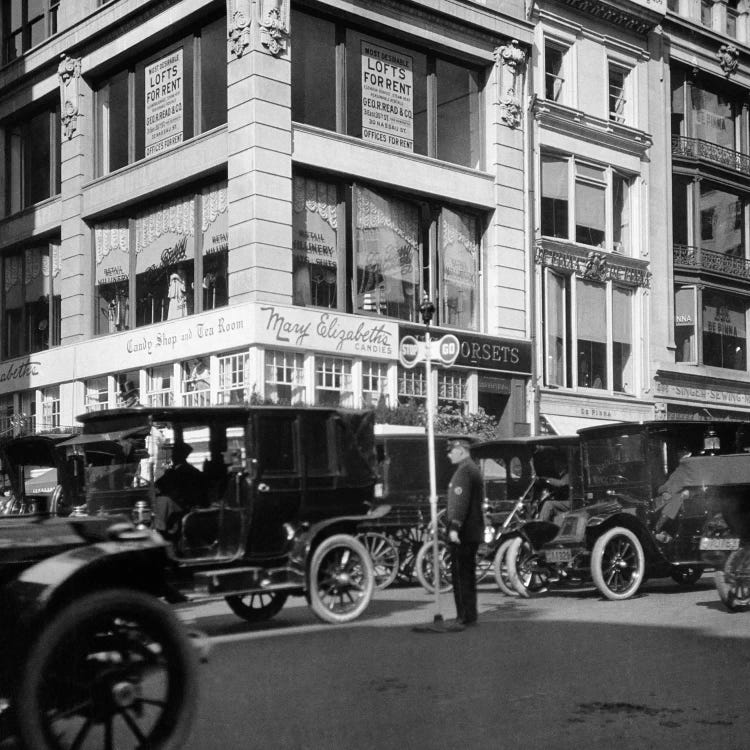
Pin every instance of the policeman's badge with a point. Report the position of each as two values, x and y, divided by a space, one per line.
459 490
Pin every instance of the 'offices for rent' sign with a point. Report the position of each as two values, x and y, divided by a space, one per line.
387 97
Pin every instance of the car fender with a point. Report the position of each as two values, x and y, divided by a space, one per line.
137 560
306 540
597 525
538 533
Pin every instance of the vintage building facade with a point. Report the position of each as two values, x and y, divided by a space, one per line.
207 201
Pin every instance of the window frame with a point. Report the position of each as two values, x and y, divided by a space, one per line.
47 16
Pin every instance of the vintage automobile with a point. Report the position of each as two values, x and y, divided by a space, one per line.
89 656
283 494
517 473
614 537
725 539
394 541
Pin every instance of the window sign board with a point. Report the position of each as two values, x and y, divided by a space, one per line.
164 103
387 97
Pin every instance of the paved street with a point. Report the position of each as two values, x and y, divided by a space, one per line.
667 669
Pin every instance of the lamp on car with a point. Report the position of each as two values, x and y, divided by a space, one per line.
711 441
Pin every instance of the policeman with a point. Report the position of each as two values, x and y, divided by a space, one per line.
465 530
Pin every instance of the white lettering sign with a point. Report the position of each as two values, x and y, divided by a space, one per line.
387 97
163 103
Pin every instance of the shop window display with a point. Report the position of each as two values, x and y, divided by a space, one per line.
724 330
232 378
160 275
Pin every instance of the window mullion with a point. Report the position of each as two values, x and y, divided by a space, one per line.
131 116
431 108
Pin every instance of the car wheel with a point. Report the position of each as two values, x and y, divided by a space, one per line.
731 584
686 575
258 606
425 567
618 563
527 576
384 556
112 669
341 580
500 569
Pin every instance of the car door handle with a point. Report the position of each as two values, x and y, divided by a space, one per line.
263 487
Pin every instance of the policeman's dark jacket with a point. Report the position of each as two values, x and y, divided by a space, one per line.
464 510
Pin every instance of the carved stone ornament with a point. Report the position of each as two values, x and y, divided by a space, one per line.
728 56
239 31
69 73
595 266
510 109
274 26
511 55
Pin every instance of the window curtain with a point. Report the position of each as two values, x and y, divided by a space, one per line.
459 266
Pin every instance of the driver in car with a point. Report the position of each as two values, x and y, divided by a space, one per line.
181 488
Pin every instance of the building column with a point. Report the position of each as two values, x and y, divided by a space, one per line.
76 164
259 138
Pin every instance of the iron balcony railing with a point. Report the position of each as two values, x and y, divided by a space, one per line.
695 148
693 258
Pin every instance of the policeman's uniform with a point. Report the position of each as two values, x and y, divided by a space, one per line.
464 515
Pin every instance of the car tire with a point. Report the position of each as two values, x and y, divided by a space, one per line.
340 579
618 564
424 567
500 569
105 655
526 578
734 595
257 606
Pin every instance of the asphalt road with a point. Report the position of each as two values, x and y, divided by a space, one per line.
667 669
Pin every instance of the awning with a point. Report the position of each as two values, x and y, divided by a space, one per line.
567 425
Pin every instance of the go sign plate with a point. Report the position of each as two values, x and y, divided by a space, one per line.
444 350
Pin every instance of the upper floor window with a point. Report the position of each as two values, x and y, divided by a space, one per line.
554 71
620 104
394 258
707 10
26 23
588 334
585 202
31 300
160 259
32 159
163 99
707 109
377 90
732 16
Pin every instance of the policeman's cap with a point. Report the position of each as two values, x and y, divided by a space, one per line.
459 443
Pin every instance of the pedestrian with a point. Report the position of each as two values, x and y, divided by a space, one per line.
465 531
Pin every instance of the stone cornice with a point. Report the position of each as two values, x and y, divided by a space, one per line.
582 126
632 17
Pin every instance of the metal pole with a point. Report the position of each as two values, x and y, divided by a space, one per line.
433 480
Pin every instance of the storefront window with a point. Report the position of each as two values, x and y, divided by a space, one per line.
333 381
684 324
156 99
385 99
412 385
128 388
50 398
97 393
31 300
592 335
459 255
453 389
724 331
284 377
315 244
215 244
598 353
232 378
111 240
32 159
195 382
159 390
374 383
387 255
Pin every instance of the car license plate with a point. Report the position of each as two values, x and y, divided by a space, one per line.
558 555
708 543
